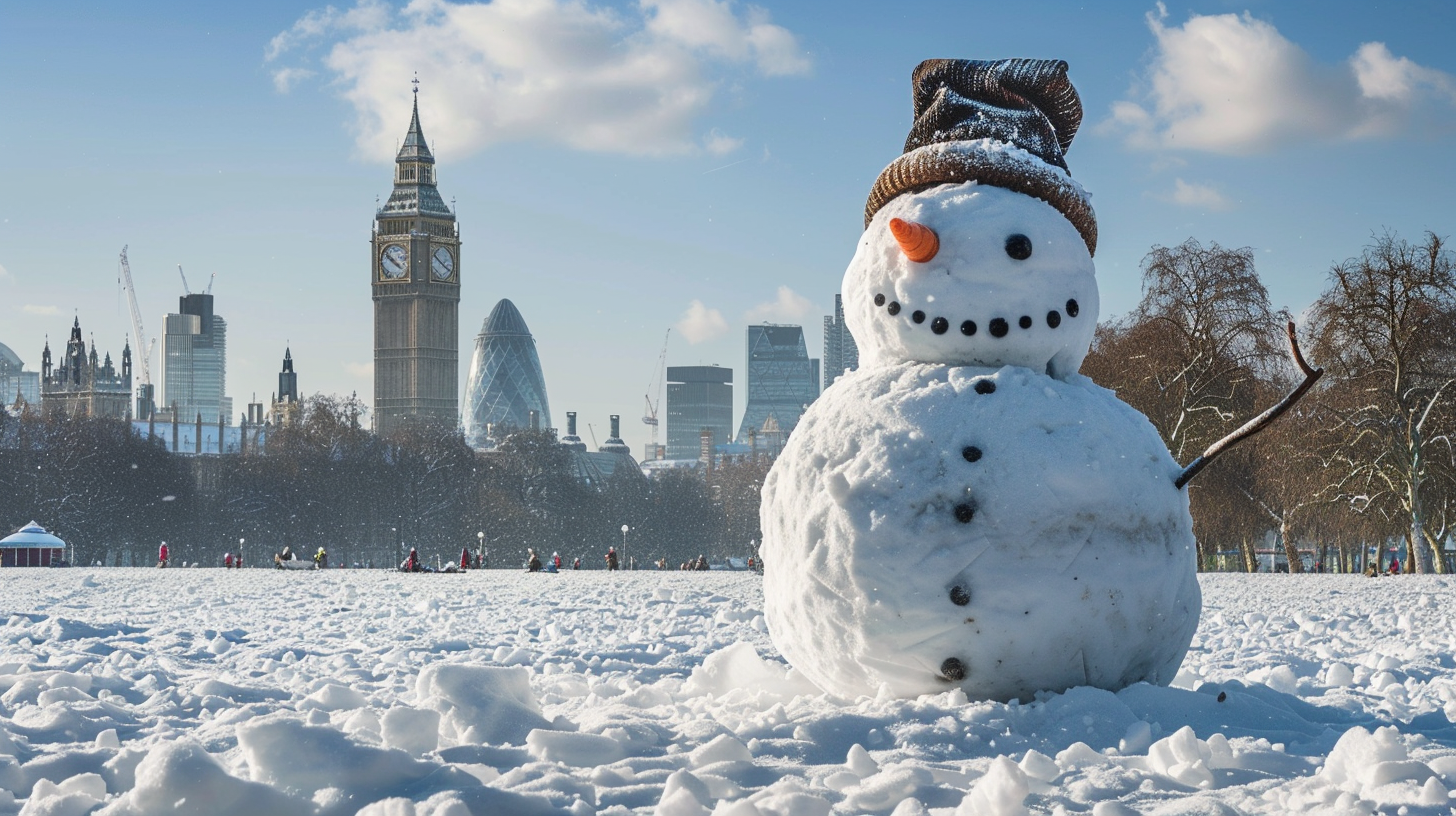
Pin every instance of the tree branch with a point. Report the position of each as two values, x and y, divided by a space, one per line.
1260 422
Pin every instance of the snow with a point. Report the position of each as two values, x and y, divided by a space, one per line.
1075 566
660 693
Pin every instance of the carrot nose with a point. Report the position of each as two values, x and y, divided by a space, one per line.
917 241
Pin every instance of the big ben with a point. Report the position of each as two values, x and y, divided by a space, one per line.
415 272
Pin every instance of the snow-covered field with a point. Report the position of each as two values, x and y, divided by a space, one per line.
132 691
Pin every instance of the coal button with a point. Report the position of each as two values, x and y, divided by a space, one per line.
953 669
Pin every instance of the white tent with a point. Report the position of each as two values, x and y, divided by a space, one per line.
32 546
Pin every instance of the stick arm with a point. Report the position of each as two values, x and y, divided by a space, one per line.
1260 422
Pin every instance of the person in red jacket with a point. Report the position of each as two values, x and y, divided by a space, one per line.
611 558
162 555
412 563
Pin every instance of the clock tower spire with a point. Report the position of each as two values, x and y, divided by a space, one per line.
415 281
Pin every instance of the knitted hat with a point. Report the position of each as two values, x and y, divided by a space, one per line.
1006 123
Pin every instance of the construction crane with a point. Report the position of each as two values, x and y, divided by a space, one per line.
146 392
658 375
186 290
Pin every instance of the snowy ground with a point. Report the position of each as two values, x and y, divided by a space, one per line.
144 691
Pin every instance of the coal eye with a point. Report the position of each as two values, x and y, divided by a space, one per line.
1018 246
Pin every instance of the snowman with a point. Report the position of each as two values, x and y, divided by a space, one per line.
965 510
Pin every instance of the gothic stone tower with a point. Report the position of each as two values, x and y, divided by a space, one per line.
415 276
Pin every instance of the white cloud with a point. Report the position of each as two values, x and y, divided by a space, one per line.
713 29
700 323
4 273
719 143
47 311
285 78
1199 196
363 370
366 15
1231 83
787 307
566 71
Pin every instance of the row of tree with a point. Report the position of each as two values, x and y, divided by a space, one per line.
1364 461
322 480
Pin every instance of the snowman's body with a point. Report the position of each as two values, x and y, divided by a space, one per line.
965 509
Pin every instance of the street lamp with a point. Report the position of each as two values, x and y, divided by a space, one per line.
480 548
624 547
240 553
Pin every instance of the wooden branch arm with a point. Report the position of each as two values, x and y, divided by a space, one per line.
1259 422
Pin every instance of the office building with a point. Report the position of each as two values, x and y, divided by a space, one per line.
841 354
506 388
782 381
698 398
17 384
193 375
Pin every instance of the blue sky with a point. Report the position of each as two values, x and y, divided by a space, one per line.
621 168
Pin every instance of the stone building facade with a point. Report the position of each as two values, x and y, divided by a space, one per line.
415 279
85 383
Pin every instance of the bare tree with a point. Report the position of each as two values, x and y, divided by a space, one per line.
1191 357
1386 327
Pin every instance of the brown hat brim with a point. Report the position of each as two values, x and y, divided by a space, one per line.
986 161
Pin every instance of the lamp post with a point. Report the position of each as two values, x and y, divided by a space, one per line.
625 560
240 553
398 546
480 547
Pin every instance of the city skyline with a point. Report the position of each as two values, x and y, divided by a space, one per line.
253 142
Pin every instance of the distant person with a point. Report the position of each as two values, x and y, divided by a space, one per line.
227 560
576 563
661 564
533 561
162 555
1394 566
287 553
702 562
321 558
411 562
1371 570
465 558
611 559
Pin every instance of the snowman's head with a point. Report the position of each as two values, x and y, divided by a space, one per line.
978 275
978 244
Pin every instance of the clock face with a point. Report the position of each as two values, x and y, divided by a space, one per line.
393 262
442 264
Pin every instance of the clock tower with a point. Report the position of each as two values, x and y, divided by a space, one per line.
415 278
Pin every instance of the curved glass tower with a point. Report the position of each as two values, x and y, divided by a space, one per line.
506 383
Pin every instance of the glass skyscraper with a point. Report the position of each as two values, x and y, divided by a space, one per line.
194 362
782 381
15 381
840 351
506 383
698 398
